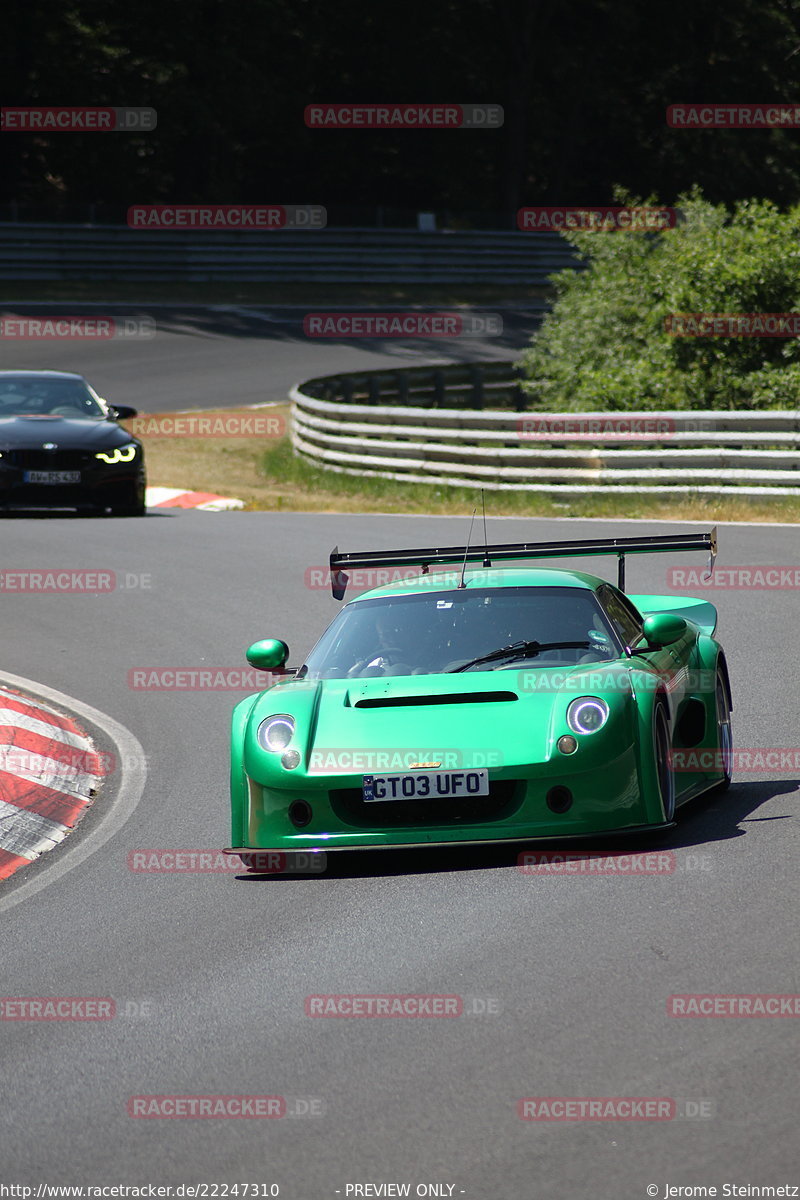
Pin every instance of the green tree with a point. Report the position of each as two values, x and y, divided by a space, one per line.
605 345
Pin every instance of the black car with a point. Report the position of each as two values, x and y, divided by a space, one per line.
61 446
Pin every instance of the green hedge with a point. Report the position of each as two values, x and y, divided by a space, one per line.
605 346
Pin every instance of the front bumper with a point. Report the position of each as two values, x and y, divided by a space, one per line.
100 486
254 859
607 802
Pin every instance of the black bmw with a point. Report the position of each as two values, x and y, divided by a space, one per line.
61 446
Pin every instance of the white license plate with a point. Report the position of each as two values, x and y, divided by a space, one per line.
52 476
425 785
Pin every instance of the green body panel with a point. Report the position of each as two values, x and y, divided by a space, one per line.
239 789
699 612
507 720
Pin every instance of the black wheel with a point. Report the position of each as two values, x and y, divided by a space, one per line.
662 754
724 731
127 503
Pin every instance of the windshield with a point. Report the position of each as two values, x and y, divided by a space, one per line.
441 631
42 396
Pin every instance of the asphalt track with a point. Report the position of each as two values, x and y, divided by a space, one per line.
209 972
225 355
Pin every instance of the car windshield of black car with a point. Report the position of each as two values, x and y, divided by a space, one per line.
48 397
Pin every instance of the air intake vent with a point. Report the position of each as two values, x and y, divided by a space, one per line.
438 698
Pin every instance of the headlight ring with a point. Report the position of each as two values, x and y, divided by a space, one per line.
275 733
587 714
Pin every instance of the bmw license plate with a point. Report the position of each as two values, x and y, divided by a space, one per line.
425 785
52 477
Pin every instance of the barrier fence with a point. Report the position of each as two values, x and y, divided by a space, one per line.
471 426
121 254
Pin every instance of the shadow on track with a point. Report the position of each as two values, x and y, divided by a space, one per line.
712 818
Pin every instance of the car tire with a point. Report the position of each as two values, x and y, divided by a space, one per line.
128 504
662 759
724 731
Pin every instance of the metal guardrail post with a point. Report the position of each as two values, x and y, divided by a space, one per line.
438 389
476 377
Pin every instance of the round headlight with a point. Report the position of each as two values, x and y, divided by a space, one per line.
587 714
276 732
290 759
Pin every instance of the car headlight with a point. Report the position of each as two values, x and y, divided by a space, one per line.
275 733
120 454
587 714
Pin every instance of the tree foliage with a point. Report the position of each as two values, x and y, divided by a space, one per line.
585 93
606 343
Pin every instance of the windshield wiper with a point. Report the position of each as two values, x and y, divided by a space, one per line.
520 650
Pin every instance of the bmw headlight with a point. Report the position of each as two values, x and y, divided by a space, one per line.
587 714
275 733
119 454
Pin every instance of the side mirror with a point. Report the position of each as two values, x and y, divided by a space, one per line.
662 629
123 412
267 654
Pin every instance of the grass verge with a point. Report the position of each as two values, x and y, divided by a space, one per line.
273 479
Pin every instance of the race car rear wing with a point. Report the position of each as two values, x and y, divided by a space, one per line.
587 547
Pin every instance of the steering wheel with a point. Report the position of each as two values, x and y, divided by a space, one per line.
63 410
388 653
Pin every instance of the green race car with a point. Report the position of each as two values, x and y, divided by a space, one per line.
485 704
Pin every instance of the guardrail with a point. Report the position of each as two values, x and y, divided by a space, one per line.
120 254
344 424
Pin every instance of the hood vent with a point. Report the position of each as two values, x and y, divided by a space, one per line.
438 698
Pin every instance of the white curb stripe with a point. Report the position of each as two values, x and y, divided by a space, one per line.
48 772
221 505
58 720
26 833
158 496
130 780
9 716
